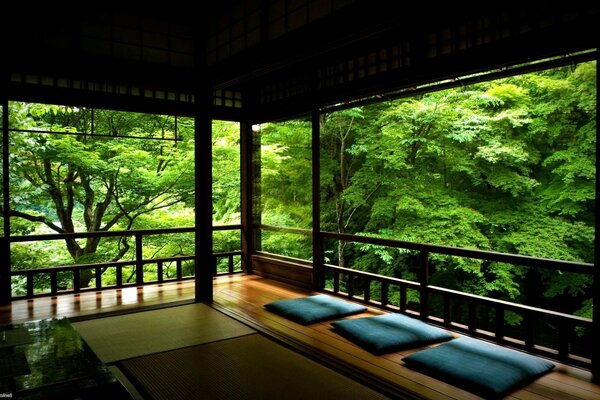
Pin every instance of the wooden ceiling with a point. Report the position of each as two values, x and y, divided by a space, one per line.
265 59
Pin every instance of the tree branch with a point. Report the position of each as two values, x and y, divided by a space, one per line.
35 218
88 202
69 180
361 204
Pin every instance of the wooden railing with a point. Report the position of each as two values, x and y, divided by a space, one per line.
358 287
138 266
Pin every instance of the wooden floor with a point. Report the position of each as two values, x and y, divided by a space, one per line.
244 296
92 303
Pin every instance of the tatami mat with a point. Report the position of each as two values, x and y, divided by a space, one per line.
133 335
249 367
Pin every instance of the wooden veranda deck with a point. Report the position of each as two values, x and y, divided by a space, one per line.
243 297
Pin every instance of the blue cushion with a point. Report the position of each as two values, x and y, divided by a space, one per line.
313 309
485 369
389 332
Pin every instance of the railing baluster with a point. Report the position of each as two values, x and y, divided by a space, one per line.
159 271
350 285
367 295
564 333
472 316
179 270
385 287
424 281
53 282
529 331
447 310
119 276
336 281
499 323
29 284
230 259
98 272
76 280
403 300
139 260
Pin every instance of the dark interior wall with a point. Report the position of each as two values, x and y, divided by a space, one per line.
272 58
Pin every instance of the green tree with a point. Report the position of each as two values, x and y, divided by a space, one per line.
506 165
92 183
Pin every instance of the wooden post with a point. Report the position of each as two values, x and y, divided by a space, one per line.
5 261
255 168
596 288
203 217
247 190
317 240
139 257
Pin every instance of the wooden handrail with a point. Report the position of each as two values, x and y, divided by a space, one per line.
122 263
382 278
133 232
570 266
286 229
517 259
138 262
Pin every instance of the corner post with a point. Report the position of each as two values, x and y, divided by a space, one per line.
203 258
5 262
596 287
247 194
317 240
203 229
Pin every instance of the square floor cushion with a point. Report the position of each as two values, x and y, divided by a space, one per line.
389 332
485 369
312 309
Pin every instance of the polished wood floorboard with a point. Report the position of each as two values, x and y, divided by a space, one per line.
244 297
92 303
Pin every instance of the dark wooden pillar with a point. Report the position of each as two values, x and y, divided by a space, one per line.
5 261
596 289
247 190
318 272
255 164
203 199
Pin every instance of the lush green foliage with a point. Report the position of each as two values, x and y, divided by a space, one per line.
506 165
105 178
